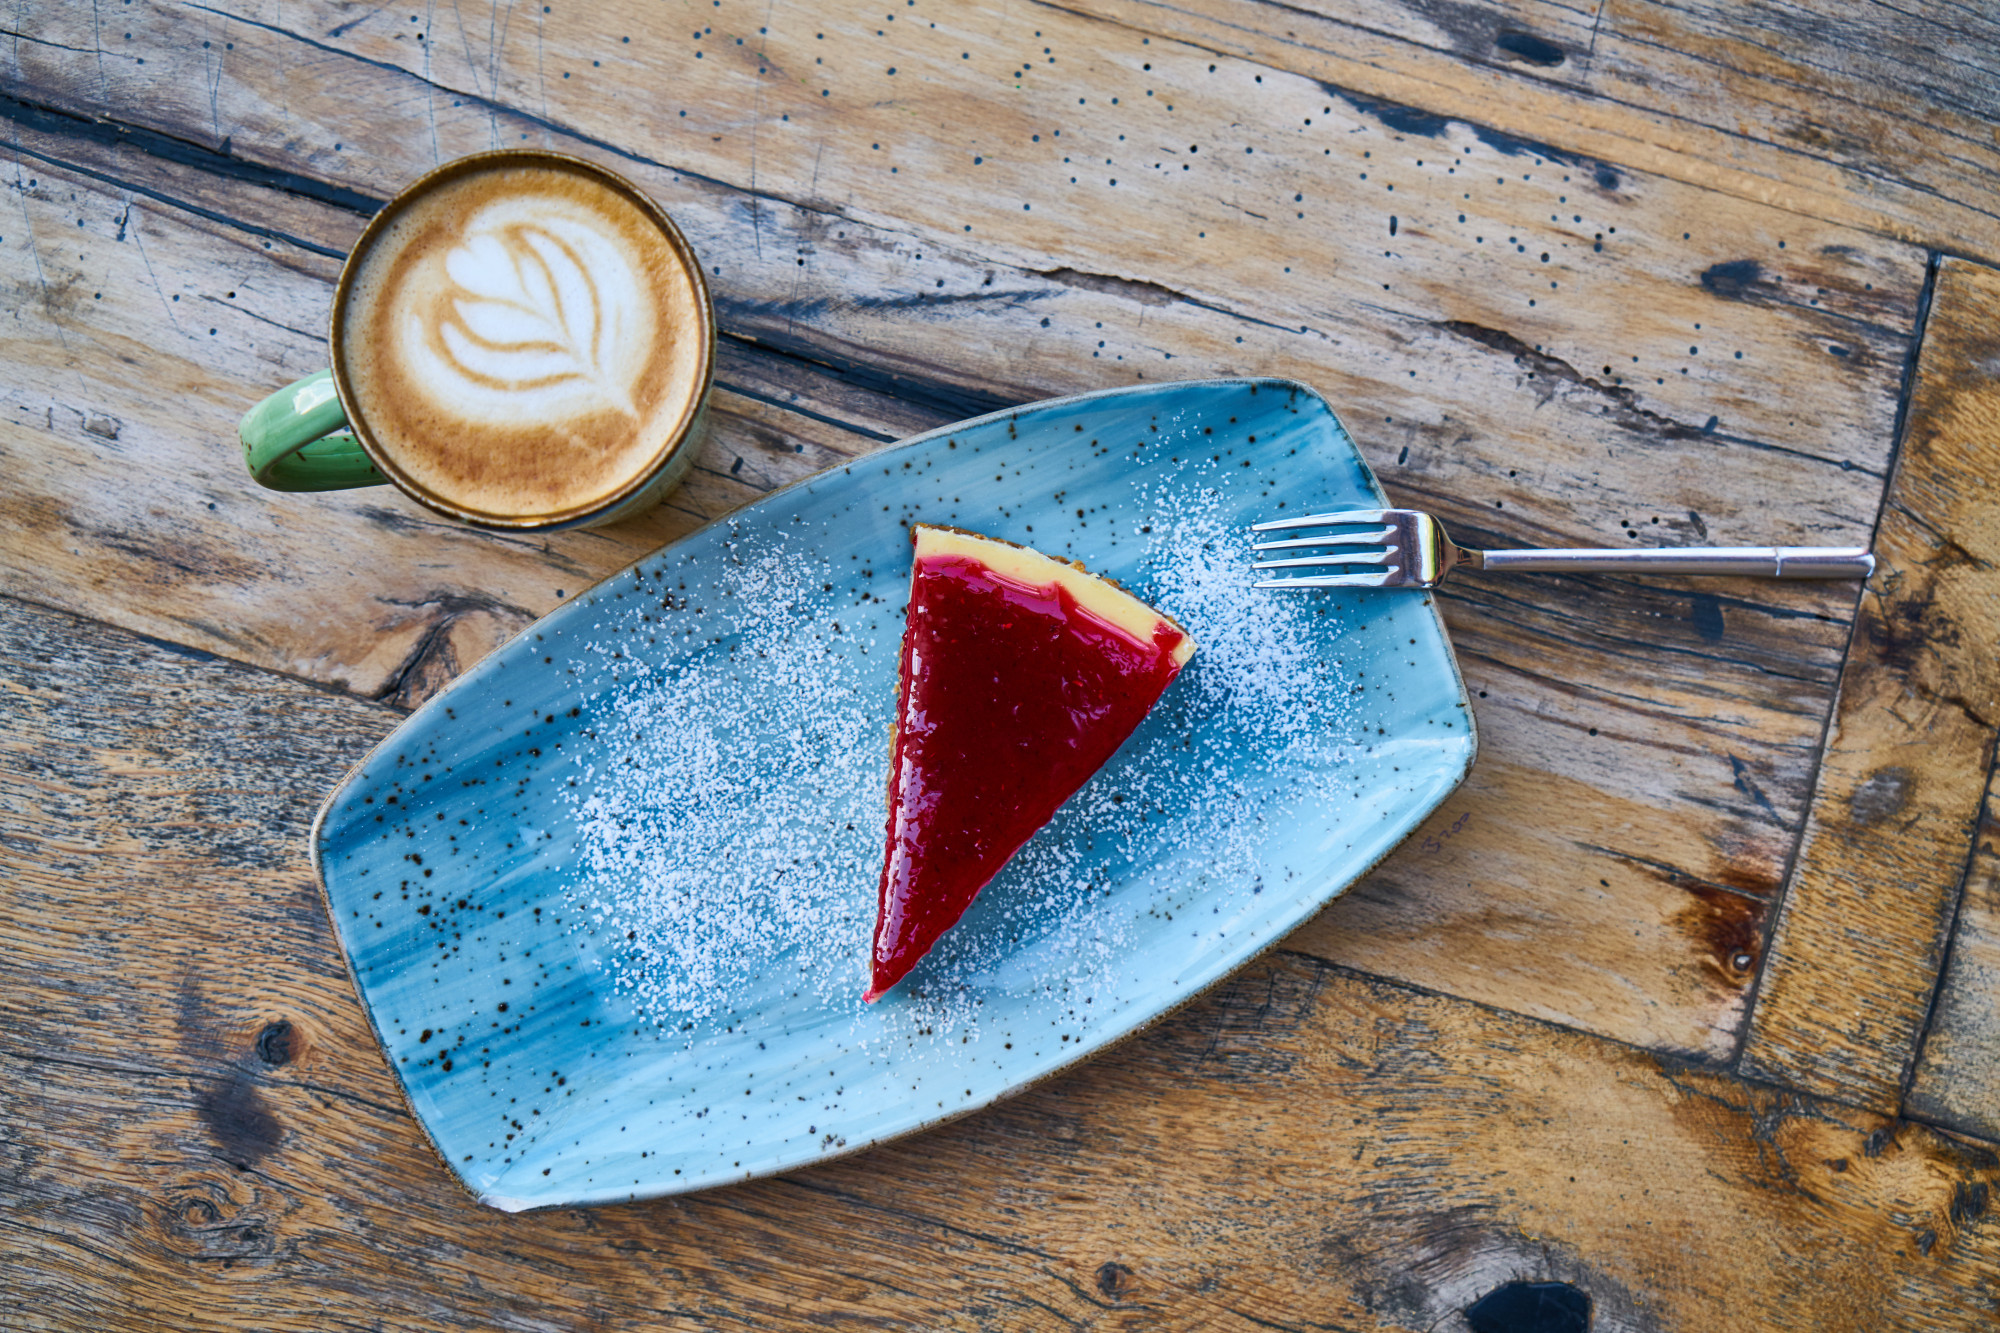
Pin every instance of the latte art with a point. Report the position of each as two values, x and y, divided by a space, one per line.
541 315
525 342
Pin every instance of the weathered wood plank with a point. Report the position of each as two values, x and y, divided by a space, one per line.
1874 116
1708 758
1854 957
195 1123
1707 703
1627 252
1847 112
1956 1083
1545 857
145 342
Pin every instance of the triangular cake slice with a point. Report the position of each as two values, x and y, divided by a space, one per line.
1021 674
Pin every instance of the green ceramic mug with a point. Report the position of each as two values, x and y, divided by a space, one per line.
520 340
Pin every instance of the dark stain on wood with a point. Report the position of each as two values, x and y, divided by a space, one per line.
1898 626
1905 625
1531 1307
1394 115
1409 120
395 520
242 1123
1883 794
226 1099
1705 610
1741 779
1729 928
1528 48
1969 1203
1733 279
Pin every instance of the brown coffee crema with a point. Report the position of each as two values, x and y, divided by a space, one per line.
523 341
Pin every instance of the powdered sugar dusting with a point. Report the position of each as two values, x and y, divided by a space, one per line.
724 840
1261 672
733 846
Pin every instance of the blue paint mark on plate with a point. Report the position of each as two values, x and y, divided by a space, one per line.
607 899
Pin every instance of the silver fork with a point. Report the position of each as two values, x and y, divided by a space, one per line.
1406 548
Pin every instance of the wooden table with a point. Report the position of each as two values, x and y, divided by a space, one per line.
1697 1011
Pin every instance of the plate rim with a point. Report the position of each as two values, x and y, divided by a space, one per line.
503 1203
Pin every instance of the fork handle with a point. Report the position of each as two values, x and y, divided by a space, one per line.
1769 562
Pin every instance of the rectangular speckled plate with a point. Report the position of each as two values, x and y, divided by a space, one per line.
608 898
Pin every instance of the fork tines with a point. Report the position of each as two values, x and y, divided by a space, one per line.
1374 546
1340 518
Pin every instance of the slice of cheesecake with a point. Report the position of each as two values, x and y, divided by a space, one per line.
1021 674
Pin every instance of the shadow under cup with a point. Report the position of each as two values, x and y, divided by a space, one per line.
520 340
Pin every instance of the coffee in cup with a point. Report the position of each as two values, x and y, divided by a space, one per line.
520 340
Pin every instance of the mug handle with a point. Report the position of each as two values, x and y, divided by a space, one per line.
296 440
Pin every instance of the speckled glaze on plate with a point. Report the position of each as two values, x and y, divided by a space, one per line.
550 1067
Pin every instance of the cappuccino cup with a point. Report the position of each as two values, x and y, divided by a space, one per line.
520 340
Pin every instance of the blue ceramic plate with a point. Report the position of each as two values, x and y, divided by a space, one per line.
608 898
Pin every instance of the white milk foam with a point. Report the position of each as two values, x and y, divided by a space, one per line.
524 341
534 316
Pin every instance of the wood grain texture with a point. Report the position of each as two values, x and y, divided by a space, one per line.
1596 397
1630 273
196 1131
1875 116
1854 957
140 364
1954 1082
1627 278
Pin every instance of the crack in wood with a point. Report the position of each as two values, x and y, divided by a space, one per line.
109 133
1623 401
432 660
